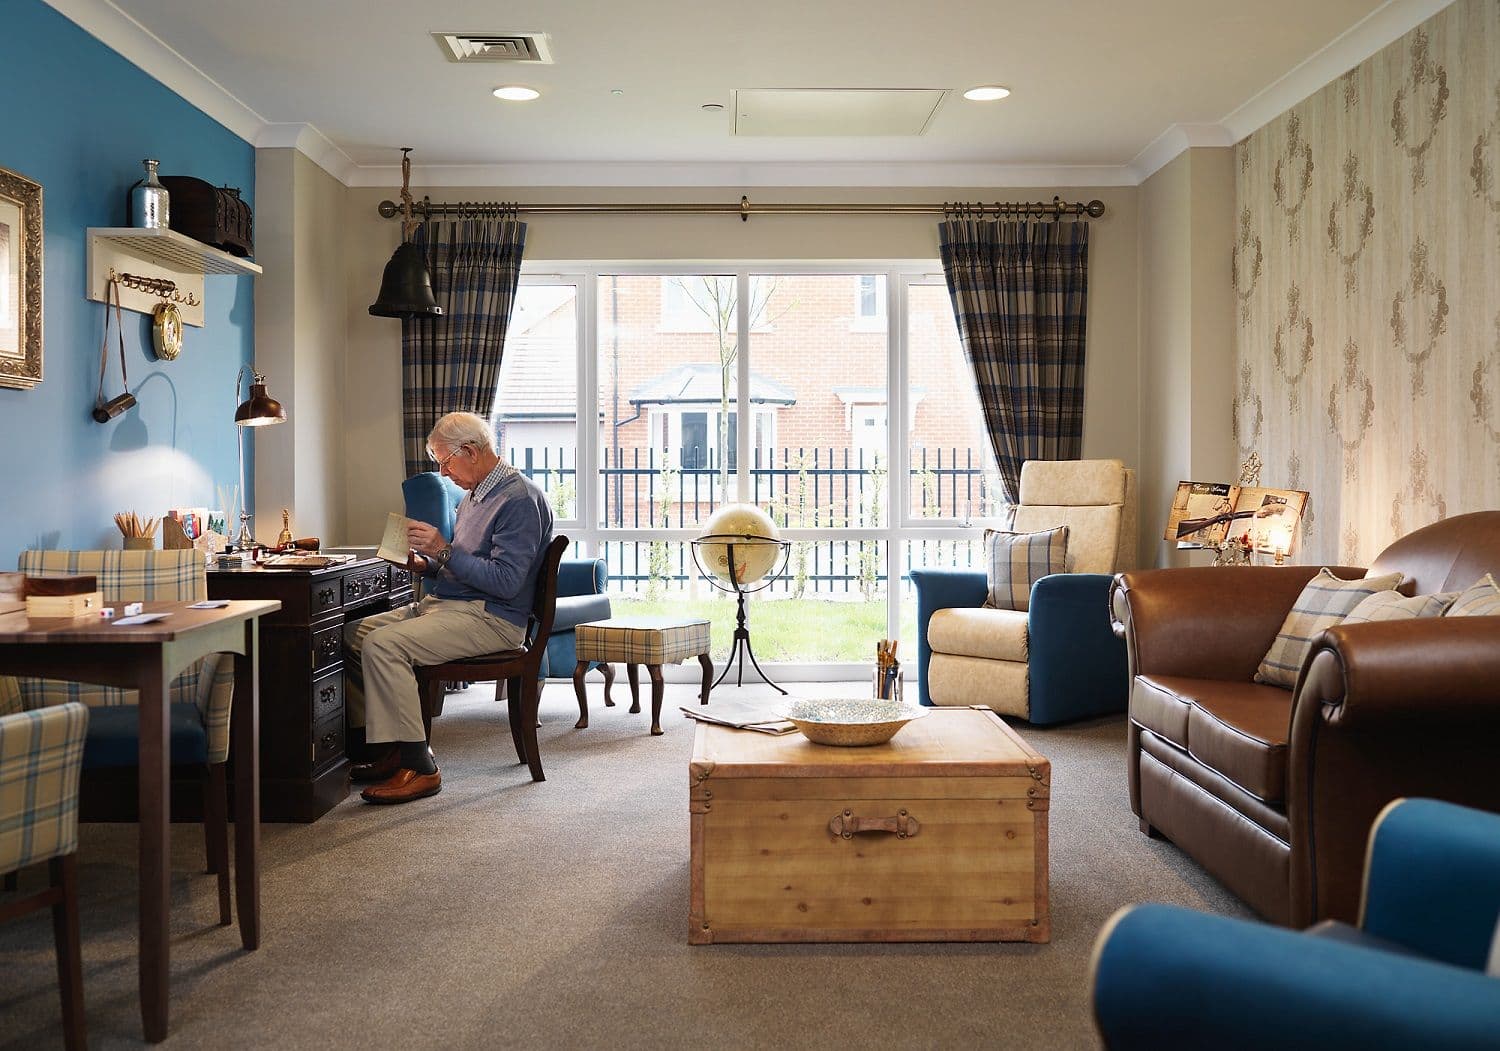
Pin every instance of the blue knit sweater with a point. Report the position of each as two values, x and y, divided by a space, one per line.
498 544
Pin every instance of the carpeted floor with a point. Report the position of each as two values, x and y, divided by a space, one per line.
503 913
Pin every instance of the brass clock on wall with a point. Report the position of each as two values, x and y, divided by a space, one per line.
166 331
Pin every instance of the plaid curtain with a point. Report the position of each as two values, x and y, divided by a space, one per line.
452 363
1020 292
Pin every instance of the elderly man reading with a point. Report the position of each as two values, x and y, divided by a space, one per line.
478 602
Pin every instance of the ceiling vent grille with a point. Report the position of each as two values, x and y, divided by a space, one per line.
494 47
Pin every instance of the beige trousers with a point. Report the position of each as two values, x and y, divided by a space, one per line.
381 687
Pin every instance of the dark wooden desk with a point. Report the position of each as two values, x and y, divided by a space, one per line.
303 769
146 658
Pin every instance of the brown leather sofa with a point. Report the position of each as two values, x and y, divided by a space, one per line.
1273 791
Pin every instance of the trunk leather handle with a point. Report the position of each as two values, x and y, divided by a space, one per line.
847 824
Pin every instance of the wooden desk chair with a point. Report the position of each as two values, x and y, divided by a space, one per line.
521 668
41 754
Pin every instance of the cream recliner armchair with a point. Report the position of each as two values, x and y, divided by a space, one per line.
1059 659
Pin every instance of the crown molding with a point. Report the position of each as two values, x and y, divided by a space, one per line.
312 144
138 45
745 175
1389 22
119 32
1169 144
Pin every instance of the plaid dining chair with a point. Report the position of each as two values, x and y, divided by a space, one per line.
41 753
198 720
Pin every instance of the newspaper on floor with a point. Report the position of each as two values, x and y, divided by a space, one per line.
742 715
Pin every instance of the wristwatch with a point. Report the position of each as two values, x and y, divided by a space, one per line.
443 556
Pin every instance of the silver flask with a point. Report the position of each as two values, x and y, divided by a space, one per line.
149 205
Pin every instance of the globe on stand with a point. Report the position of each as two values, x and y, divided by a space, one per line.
739 549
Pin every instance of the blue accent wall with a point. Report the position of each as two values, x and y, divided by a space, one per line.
78 119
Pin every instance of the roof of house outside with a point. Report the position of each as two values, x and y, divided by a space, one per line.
537 378
699 384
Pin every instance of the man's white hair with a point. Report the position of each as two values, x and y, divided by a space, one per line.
462 428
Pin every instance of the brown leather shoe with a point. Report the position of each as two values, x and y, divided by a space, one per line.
381 769
404 786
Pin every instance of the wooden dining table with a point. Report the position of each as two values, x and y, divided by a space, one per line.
146 658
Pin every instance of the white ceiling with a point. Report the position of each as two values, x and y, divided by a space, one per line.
1095 82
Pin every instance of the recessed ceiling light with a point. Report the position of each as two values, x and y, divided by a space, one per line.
986 93
516 93
616 91
713 107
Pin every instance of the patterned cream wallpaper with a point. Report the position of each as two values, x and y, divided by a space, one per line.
1367 273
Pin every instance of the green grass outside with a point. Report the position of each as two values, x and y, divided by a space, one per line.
797 630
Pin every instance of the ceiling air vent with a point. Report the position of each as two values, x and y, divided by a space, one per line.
494 47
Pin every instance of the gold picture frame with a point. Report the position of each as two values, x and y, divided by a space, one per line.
20 281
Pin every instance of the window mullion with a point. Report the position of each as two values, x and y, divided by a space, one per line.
742 400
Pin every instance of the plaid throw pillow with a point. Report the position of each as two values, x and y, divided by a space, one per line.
1391 605
1479 599
1323 603
1018 560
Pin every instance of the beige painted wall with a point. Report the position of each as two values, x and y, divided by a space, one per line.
1369 258
299 345
1186 319
373 373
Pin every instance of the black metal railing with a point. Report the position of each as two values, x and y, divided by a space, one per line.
801 488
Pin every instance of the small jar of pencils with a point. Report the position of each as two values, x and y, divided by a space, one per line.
139 533
888 680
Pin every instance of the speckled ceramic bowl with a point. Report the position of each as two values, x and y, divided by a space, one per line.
851 721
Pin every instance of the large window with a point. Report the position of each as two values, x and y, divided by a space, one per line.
835 399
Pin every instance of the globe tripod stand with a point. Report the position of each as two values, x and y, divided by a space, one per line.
741 649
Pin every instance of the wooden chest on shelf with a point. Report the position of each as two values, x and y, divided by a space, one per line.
939 835
215 215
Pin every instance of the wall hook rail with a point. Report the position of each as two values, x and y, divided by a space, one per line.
156 286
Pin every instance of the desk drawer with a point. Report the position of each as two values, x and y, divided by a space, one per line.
328 697
400 580
325 596
366 585
327 647
328 741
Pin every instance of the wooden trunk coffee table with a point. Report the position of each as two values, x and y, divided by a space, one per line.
939 835
633 641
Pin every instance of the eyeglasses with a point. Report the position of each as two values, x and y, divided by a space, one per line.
444 461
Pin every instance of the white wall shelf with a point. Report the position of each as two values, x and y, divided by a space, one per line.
163 254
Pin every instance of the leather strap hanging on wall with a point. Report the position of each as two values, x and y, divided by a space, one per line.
104 411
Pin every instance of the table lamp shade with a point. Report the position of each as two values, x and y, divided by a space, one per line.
260 408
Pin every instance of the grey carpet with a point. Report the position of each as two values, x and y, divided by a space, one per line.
503 913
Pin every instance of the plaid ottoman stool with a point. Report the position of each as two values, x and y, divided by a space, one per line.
633 641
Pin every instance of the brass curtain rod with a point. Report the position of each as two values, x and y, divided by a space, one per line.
426 209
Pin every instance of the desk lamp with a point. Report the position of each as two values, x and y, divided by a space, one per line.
258 410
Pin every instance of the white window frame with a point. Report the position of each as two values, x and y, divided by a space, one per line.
901 528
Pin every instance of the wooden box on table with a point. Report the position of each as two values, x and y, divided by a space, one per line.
939 835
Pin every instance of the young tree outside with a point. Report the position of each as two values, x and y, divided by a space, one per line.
717 298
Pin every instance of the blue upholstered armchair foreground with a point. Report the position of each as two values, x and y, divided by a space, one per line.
1059 659
1412 974
433 499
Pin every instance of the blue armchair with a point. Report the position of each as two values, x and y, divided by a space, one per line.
1059 659
433 499
1412 974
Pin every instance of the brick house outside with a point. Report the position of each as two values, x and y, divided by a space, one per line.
817 392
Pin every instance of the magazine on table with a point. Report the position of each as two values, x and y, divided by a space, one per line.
741 715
